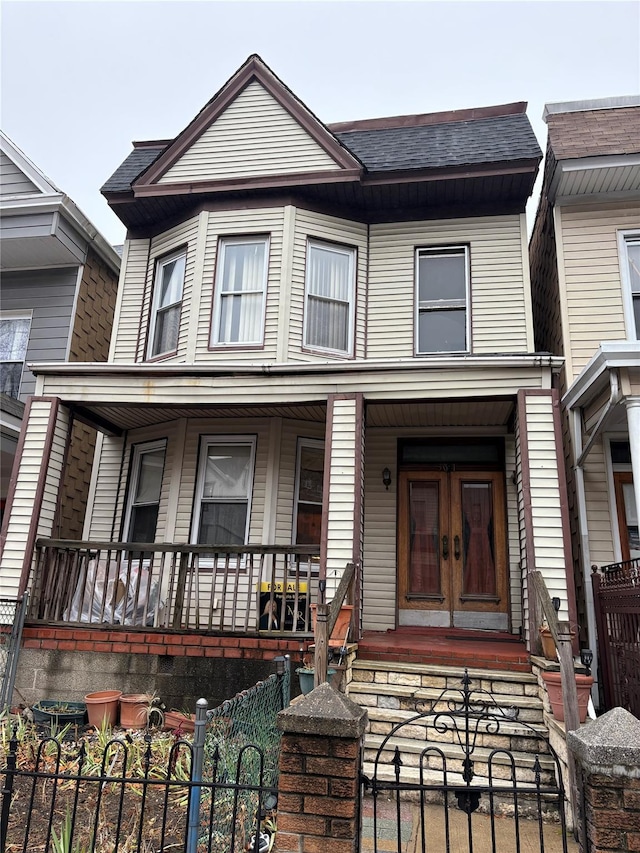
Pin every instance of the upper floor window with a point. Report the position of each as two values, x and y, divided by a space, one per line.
14 338
167 304
147 467
442 299
329 298
241 286
223 490
630 265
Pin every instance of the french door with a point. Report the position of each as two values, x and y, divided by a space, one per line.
452 555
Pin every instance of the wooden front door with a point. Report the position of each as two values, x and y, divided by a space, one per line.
452 556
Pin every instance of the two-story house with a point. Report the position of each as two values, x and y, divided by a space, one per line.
323 354
59 283
585 262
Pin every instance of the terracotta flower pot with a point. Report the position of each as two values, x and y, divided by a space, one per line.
134 710
548 645
553 683
102 707
174 720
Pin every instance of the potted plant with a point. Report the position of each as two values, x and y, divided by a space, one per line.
59 713
548 644
134 710
553 683
102 707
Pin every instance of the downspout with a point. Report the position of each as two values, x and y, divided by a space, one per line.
585 552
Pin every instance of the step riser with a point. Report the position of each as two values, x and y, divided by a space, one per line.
432 770
424 734
415 704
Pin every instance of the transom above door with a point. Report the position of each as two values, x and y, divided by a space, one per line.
452 555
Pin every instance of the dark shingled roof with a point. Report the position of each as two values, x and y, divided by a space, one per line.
448 144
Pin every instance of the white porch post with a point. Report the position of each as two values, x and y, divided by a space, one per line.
34 490
343 487
633 421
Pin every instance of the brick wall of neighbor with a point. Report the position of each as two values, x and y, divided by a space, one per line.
607 755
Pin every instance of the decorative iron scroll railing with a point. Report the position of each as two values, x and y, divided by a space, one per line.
189 587
616 594
455 777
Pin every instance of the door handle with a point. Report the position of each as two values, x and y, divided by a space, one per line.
445 547
456 547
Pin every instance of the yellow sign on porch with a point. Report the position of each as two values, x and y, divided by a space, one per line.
278 586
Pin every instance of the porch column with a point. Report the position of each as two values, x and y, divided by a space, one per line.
33 490
545 532
343 489
633 420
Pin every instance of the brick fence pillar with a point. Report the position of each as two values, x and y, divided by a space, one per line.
320 760
607 754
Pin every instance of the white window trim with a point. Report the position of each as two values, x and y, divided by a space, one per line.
19 315
205 442
317 444
625 237
215 328
160 263
137 452
350 252
443 304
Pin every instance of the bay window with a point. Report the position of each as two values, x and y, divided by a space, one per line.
241 286
329 298
167 304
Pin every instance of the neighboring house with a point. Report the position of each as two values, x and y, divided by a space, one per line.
57 298
585 262
323 354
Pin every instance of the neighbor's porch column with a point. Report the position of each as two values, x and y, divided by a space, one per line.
545 533
633 421
33 490
343 489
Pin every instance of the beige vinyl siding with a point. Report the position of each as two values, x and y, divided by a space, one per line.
342 490
254 136
593 289
546 509
513 536
260 221
379 560
329 229
499 309
32 465
131 301
291 432
107 498
598 505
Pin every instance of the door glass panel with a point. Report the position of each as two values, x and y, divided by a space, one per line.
424 539
478 552
631 518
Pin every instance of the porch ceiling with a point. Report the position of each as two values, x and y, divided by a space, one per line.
477 413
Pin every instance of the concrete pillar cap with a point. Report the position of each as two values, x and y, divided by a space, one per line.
612 741
324 712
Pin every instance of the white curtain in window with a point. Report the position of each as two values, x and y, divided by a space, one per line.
14 337
242 293
172 280
329 289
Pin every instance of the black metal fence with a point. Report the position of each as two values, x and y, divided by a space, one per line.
12 613
616 594
138 793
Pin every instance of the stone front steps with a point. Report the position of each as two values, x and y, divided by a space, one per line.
394 693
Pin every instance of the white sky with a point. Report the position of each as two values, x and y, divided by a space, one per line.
81 80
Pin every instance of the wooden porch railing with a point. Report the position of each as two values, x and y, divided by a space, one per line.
616 596
247 589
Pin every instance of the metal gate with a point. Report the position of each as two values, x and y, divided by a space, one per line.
452 794
12 613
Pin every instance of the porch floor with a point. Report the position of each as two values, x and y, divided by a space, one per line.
447 647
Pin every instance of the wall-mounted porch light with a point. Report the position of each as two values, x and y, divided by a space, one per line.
386 478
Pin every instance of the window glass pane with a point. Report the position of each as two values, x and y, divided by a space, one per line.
329 283
172 278
479 568
241 289
311 474
227 472
144 519
222 523
327 324
441 277
412 453
329 273
167 328
442 331
633 256
241 318
424 539
14 336
243 266
10 376
621 452
150 477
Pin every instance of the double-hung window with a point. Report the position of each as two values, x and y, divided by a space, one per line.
14 338
241 286
223 490
147 468
629 243
167 304
442 300
329 298
309 485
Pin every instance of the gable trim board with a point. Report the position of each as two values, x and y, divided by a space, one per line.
253 70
